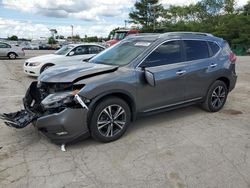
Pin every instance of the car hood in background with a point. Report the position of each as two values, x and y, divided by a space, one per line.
44 58
74 72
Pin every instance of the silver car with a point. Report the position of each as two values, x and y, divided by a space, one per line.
12 52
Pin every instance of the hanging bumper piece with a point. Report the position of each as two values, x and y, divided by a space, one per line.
22 118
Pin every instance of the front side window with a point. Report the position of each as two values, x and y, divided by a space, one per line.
196 49
167 53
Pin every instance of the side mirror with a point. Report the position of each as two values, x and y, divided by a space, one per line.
150 78
71 53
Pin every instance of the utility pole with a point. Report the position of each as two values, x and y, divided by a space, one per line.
72 29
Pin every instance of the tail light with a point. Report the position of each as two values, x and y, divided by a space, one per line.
232 57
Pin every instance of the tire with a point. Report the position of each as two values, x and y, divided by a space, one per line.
104 128
46 66
216 97
12 55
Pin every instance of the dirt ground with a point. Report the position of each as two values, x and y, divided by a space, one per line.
183 148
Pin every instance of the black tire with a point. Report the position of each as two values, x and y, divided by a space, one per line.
12 55
108 132
216 97
46 66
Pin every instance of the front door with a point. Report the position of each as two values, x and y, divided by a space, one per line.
169 70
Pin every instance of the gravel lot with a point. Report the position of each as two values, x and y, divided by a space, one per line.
182 148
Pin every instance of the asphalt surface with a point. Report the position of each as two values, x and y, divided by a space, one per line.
183 148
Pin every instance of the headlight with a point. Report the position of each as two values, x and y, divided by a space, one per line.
57 99
33 64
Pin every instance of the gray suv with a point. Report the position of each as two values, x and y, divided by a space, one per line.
140 75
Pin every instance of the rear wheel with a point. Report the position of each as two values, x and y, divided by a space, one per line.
110 119
12 55
216 97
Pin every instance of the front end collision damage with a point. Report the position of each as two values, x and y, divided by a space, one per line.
55 109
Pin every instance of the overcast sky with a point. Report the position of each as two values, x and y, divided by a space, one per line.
34 18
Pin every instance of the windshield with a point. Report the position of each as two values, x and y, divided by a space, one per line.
121 54
120 36
64 50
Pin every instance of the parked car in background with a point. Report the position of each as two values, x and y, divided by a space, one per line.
121 34
11 51
73 52
139 76
31 46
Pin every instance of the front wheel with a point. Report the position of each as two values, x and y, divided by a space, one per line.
110 119
216 97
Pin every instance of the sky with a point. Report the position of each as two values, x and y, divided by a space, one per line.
34 18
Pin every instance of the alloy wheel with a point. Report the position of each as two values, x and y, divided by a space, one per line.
218 97
111 120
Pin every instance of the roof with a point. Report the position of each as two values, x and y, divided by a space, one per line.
86 44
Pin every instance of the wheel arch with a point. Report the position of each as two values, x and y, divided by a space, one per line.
124 95
11 52
225 80
46 64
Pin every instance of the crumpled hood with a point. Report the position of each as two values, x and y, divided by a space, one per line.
72 73
44 58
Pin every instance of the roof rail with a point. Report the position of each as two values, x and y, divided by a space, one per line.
188 33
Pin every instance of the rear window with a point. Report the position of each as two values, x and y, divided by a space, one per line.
196 49
214 48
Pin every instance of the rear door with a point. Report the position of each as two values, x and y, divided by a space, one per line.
201 66
93 50
166 63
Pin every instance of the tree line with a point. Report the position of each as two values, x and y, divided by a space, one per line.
219 17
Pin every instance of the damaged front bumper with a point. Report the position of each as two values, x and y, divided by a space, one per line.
61 125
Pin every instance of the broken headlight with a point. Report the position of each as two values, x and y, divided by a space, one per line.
58 99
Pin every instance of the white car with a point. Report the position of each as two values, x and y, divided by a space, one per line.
69 53
10 51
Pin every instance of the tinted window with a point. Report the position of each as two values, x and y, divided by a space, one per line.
81 50
95 49
196 49
167 53
214 48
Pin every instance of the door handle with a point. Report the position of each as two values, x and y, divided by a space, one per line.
181 72
213 65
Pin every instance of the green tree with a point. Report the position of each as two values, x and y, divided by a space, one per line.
51 40
146 13
246 9
229 6
13 37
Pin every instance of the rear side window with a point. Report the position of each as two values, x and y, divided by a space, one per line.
214 48
95 49
196 49
167 53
